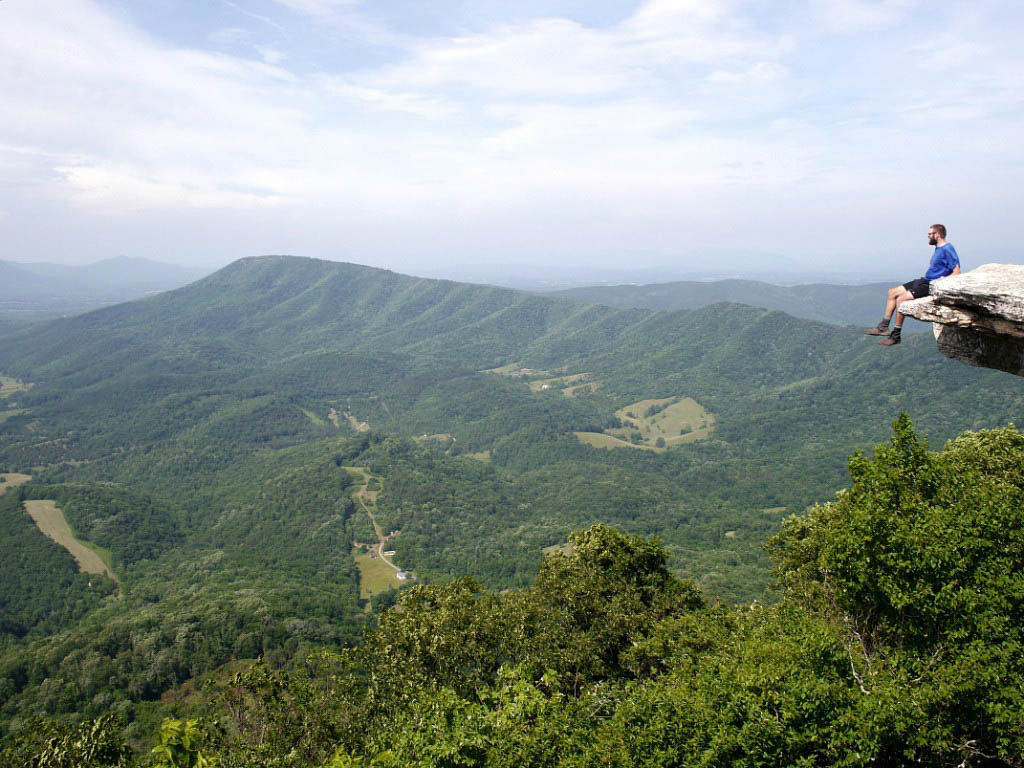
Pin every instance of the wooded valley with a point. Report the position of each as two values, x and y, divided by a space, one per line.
203 441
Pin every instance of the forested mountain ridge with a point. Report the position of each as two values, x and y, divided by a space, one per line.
221 418
858 305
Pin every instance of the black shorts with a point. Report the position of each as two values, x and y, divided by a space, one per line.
919 288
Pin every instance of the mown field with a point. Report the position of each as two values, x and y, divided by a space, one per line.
50 520
12 479
655 424
375 576
9 385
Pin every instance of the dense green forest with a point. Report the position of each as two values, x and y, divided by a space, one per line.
205 438
896 640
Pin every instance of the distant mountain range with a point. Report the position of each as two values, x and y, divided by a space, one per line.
859 305
43 289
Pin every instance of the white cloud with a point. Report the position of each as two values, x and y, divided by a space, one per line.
411 102
760 73
855 16
688 115
270 55
126 189
553 57
675 18
319 8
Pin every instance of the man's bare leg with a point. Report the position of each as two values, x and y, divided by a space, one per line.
895 296
906 296
897 333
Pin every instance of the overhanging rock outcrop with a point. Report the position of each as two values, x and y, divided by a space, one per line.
978 316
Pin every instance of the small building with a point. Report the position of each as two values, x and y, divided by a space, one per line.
402 575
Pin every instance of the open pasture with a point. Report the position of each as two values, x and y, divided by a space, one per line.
676 420
560 382
12 480
10 385
375 575
50 520
518 371
602 440
316 420
654 425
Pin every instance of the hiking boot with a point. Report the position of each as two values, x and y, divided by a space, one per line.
891 340
882 329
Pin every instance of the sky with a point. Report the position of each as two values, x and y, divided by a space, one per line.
772 134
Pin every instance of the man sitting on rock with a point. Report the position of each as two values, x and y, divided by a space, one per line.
945 261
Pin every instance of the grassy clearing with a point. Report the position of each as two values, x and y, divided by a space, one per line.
655 425
104 554
515 369
571 384
9 385
375 576
582 389
601 440
565 548
50 520
13 480
314 418
480 456
676 420
561 382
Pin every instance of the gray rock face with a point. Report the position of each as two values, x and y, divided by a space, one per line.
978 316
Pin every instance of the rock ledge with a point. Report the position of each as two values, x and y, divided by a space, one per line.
978 316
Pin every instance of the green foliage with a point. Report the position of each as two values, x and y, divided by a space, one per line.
41 590
180 745
177 431
289 718
47 744
920 564
608 660
241 588
132 525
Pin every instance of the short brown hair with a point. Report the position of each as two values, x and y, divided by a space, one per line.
939 230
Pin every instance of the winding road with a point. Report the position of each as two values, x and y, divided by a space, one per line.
362 494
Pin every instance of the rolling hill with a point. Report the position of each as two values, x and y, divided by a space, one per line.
222 420
859 305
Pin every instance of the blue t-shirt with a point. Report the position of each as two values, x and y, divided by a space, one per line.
944 261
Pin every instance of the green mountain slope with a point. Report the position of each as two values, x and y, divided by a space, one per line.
221 418
859 305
